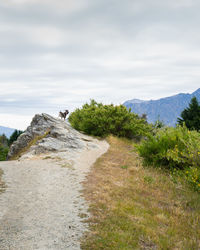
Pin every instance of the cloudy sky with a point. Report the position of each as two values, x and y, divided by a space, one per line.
57 54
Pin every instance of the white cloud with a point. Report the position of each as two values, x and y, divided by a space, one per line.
47 36
15 121
60 54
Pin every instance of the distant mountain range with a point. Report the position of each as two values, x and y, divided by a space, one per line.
165 109
6 131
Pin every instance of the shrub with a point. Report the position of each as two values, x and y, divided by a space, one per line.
101 120
3 153
192 175
172 148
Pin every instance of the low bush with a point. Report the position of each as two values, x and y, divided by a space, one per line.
3 153
174 148
101 120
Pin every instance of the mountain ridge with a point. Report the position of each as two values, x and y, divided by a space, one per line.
166 109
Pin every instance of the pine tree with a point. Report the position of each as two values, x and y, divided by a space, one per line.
14 136
191 115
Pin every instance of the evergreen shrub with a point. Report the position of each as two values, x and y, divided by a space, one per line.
101 120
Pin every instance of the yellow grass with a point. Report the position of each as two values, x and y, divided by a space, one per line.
134 207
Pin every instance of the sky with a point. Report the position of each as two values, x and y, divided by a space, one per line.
59 54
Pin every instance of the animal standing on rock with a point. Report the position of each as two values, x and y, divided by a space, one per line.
63 114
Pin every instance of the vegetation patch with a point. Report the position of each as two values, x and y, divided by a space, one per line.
2 183
176 149
3 153
138 208
3 147
5 143
102 120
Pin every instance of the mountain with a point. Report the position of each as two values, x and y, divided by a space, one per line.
6 131
165 109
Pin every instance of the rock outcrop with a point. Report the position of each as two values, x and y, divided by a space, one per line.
49 135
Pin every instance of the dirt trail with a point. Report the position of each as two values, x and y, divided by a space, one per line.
42 204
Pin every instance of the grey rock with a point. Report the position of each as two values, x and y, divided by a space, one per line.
52 135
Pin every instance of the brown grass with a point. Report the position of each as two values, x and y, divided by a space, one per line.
133 207
2 183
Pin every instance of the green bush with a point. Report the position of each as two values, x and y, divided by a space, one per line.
174 149
3 153
192 175
101 120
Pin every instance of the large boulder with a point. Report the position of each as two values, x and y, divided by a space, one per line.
48 134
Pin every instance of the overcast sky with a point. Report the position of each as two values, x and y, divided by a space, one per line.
58 54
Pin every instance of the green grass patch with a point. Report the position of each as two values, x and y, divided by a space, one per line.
124 167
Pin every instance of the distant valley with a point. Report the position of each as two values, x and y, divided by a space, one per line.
165 109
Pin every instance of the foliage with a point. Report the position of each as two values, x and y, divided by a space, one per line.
158 124
174 148
192 175
101 120
3 153
14 136
3 140
3 147
191 115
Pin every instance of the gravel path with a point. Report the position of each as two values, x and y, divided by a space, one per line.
42 205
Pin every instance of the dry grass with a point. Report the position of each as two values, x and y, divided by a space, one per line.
134 207
2 183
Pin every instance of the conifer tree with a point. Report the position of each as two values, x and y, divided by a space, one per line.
14 136
191 115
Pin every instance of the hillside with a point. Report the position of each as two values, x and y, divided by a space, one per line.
6 131
165 109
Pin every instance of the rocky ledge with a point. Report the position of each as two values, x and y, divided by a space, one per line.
52 136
